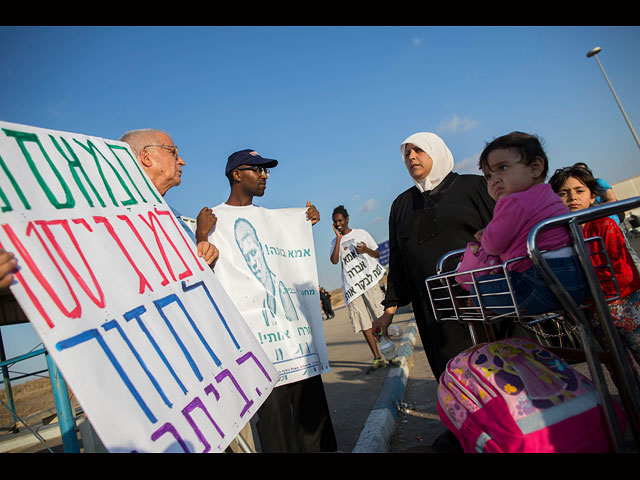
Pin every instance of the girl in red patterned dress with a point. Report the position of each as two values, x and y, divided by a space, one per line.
578 189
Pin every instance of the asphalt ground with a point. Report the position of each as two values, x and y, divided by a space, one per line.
364 404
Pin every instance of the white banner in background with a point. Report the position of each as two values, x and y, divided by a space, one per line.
143 333
268 266
360 272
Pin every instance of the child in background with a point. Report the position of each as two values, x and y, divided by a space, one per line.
578 189
515 166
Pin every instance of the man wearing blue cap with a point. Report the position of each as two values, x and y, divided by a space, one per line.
295 417
247 172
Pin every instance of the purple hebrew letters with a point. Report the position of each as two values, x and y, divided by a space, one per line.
227 374
250 355
186 411
169 428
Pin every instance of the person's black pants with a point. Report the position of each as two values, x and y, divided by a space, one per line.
295 418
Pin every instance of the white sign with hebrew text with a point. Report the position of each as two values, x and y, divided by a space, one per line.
142 331
268 266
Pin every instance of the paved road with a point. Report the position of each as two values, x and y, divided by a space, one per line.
351 391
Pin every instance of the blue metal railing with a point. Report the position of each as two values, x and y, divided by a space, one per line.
66 419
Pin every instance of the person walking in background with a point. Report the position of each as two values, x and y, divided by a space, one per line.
357 253
325 300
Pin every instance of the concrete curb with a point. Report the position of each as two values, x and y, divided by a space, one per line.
26 438
376 434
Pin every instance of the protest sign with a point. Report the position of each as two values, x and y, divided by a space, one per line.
383 248
268 264
359 272
144 334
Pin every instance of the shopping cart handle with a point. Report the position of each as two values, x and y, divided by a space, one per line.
447 256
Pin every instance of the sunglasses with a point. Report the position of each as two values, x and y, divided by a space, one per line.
259 170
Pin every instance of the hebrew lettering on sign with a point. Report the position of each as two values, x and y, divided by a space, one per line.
145 335
267 259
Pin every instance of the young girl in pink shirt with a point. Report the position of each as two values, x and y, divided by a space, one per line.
515 166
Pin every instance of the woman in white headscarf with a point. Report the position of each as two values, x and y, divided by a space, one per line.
440 213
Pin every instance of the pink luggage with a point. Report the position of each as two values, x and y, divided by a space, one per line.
514 396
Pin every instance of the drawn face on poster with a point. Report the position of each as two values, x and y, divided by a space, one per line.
270 273
251 248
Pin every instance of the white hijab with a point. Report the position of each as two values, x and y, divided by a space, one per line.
442 158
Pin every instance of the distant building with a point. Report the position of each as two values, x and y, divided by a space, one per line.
628 188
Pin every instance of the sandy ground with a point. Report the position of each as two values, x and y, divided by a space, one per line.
33 401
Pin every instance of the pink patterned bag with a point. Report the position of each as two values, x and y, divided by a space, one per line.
514 396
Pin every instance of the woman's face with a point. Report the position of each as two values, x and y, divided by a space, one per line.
340 222
417 161
576 195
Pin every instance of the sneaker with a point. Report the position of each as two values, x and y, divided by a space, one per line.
377 364
395 362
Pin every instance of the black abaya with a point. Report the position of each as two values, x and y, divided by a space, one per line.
422 227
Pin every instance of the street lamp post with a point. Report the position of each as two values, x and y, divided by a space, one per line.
594 53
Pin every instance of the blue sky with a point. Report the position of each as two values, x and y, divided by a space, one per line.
332 104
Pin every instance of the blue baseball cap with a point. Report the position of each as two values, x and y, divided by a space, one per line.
248 157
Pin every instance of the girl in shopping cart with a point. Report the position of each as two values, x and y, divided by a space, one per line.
516 166
578 189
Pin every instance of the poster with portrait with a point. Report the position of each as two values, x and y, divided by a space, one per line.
267 265
140 328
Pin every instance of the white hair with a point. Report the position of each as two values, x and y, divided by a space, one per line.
140 138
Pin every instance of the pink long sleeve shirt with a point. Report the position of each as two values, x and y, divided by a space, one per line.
513 218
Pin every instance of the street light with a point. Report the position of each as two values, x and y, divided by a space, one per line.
594 53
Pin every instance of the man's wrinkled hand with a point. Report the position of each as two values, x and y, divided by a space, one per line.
208 252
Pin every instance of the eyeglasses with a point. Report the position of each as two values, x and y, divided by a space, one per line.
172 148
259 170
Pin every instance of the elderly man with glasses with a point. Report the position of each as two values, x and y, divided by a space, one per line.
158 156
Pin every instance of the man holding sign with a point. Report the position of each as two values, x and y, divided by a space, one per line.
158 156
357 252
270 274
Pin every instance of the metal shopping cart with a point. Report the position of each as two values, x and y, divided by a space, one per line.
451 302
